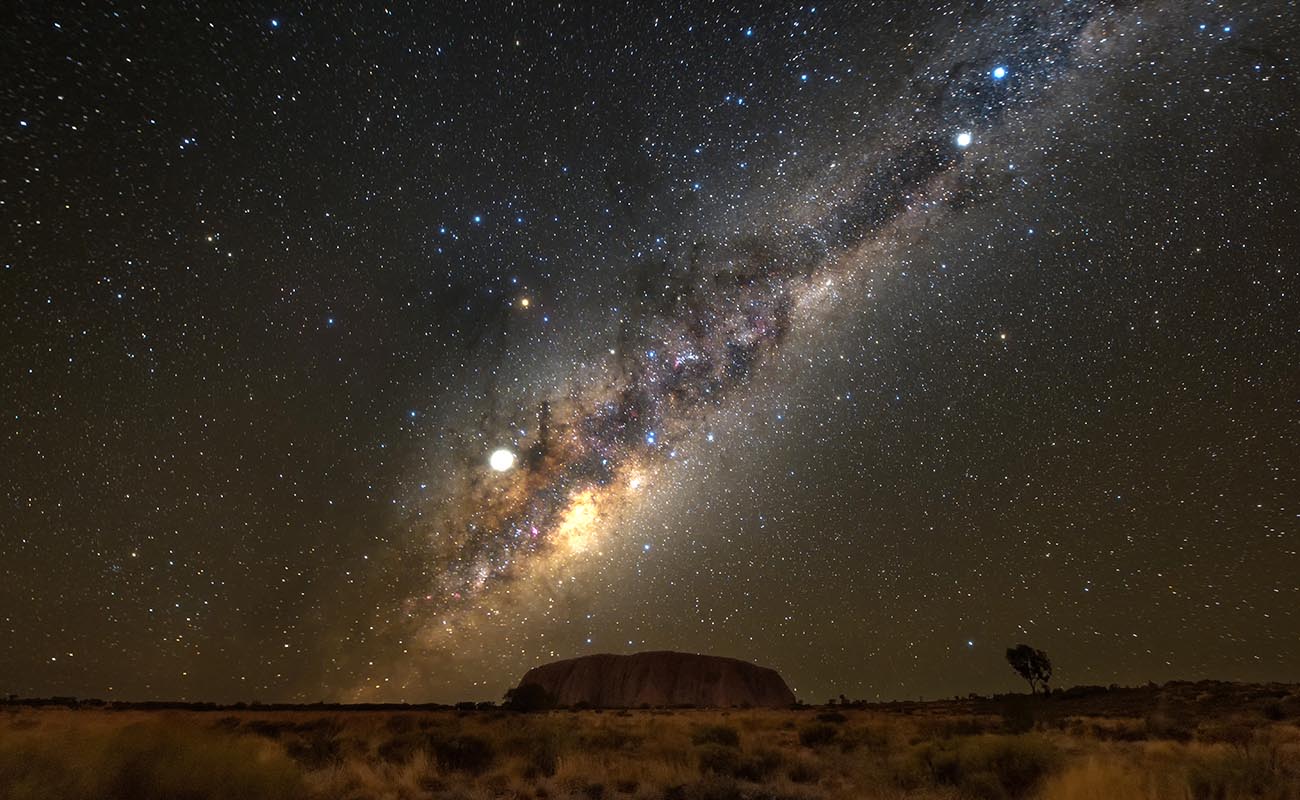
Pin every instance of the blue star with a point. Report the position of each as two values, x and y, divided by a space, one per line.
478 219
275 23
999 73
749 33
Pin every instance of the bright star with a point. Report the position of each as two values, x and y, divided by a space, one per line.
999 73
964 139
501 460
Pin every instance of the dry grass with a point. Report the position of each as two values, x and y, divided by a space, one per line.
683 754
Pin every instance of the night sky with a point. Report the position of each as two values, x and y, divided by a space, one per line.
384 353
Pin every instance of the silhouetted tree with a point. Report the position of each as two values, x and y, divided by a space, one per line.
1032 665
529 697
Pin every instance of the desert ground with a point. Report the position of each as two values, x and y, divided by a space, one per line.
1181 741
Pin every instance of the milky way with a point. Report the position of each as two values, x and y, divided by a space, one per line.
703 323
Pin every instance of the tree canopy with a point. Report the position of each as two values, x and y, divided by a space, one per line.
1032 665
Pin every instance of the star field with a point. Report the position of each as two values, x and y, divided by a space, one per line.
385 353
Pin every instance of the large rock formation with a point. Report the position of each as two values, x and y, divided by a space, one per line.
661 678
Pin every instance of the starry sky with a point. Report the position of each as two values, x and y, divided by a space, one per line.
384 352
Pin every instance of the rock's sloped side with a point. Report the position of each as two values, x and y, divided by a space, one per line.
662 678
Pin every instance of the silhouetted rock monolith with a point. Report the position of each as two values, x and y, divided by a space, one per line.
662 678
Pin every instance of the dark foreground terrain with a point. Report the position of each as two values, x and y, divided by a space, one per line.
1184 740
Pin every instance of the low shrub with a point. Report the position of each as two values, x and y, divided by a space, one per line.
611 738
542 758
872 738
1123 732
464 753
719 759
402 748
708 789
317 746
400 723
717 734
730 762
1162 725
989 766
817 734
803 771
267 728
1019 713
759 765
